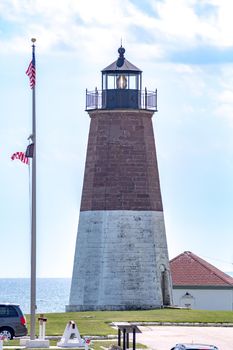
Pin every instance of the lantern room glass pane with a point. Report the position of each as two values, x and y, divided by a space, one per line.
133 82
111 82
104 82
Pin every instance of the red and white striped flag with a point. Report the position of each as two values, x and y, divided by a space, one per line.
31 71
21 156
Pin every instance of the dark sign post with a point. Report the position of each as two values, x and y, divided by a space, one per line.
125 329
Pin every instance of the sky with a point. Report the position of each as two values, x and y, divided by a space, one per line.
185 50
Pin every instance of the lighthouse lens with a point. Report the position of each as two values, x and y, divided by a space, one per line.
121 82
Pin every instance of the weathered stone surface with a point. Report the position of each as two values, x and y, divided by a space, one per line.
119 259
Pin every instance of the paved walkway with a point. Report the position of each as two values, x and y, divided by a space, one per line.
165 337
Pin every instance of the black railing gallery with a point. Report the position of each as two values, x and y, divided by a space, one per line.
101 99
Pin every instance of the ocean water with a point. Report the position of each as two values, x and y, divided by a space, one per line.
52 294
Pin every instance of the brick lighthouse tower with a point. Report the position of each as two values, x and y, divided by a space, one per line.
121 257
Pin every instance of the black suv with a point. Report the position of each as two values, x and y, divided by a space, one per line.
12 321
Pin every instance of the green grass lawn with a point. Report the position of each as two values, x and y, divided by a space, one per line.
97 323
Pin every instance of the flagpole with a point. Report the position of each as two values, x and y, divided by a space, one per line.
33 219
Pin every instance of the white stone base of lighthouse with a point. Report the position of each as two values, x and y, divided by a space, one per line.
121 261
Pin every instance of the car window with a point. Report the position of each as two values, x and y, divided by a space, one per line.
11 312
8 311
2 311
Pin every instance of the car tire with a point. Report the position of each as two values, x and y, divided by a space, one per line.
7 333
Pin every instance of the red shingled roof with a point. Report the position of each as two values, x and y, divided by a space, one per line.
187 269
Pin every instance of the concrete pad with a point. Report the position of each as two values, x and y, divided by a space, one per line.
23 341
37 343
165 337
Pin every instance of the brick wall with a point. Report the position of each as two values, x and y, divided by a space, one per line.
121 171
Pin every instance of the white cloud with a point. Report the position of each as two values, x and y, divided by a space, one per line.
224 23
89 24
179 20
76 23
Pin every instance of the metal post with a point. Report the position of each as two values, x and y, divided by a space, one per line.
33 218
127 342
134 339
124 331
145 98
86 98
119 337
96 98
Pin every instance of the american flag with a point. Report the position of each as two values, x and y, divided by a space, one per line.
21 156
31 71
30 150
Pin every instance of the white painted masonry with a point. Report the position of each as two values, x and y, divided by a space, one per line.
120 258
204 298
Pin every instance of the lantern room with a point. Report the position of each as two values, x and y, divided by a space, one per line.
121 88
121 83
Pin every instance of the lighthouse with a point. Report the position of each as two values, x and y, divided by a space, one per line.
121 255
